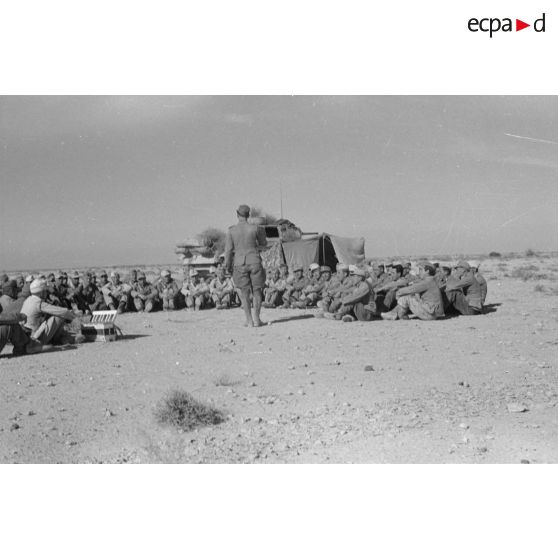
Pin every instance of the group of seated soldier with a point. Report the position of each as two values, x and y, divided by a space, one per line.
388 291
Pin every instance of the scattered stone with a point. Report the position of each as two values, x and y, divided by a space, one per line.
31 413
291 367
517 408
252 384
14 426
108 413
482 449
301 392
464 426
331 394
369 368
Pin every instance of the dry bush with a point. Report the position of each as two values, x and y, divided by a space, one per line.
539 288
528 272
529 253
178 408
494 255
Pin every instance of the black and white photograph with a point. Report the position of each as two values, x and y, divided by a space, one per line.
279 279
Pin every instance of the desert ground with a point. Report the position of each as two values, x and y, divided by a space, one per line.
479 389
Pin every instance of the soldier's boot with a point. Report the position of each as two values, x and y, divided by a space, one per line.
347 318
391 315
121 307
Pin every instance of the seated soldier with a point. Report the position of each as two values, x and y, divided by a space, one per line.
169 292
480 280
196 291
276 286
344 289
75 294
311 292
52 291
23 286
354 301
116 294
91 296
221 289
423 298
293 291
324 284
385 294
463 291
9 300
144 295
336 285
62 289
45 322
3 279
12 332
269 292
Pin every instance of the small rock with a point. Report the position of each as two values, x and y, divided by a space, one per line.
301 392
252 384
369 368
482 449
108 413
331 394
464 426
291 367
517 408
31 413
14 426
525 462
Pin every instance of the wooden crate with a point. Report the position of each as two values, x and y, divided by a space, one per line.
101 327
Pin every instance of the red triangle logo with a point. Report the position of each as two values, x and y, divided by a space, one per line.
519 25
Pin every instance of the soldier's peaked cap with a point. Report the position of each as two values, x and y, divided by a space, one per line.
243 210
325 268
463 264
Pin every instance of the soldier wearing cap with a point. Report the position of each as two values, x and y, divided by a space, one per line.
293 292
116 294
168 291
276 287
24 285
145 296
243 261
475 265
337 285
353 303
313 288
9 300
91 294
463 291
196 291
221 289
423 298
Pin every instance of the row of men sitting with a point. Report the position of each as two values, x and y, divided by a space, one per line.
87 292
387 291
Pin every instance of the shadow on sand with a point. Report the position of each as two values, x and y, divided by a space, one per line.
52 349
290 318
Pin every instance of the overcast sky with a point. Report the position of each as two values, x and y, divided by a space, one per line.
119 180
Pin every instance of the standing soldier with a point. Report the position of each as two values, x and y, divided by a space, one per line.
168 290
242 259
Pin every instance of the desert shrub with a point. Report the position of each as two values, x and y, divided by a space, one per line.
178 408
527 272
213 241
502 266
539 288
529 253
494 255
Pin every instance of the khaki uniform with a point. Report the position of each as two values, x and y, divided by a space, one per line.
168 293
197 294
423 299
44 322
464 295
145 297
221 291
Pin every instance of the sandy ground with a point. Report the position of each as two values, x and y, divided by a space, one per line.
296 391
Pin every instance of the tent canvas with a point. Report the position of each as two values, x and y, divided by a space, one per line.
324 249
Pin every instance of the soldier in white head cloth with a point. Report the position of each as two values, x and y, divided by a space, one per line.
45 322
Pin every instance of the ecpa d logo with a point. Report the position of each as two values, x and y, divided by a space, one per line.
493 25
